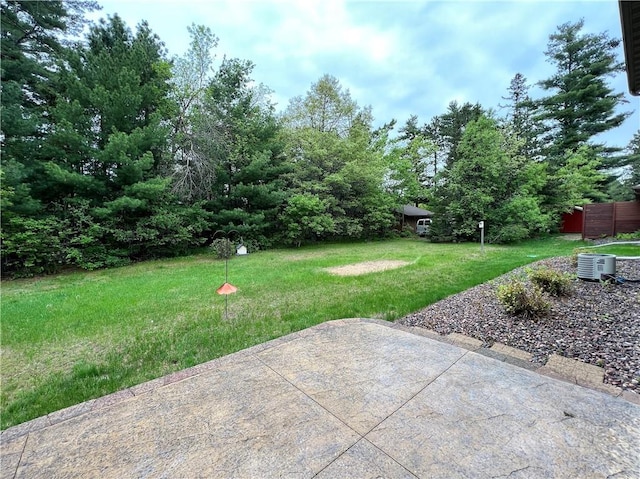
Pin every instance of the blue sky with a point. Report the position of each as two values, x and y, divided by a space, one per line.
400 57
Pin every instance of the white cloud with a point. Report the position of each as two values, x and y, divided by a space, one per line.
310 29
400 57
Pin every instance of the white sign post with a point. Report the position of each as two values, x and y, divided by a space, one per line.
481 226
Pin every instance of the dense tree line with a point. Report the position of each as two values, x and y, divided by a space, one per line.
520 170
114 152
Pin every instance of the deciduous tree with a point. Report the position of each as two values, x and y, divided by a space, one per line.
337 157
489 182
192 169
327 108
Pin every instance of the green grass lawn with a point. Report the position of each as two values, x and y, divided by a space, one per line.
76 336
618 250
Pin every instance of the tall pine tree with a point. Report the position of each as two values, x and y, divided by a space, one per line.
581 104
519 120
32 42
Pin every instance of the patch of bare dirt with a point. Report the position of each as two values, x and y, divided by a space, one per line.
366 267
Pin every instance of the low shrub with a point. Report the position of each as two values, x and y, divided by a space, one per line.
519 298
628 236
406 232
551 281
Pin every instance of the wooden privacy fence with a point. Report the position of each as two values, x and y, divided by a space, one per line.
609 219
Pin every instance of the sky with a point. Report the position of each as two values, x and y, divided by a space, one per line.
400 57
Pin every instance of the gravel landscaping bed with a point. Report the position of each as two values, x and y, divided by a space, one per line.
598 323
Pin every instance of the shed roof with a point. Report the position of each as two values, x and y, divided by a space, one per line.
630 22
410 210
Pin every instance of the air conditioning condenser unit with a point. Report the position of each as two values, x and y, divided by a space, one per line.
593 266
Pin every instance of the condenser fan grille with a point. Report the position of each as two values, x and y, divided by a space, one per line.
593 266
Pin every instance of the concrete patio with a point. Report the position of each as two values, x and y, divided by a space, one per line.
345 399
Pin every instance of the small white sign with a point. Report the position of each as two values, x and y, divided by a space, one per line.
481 225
